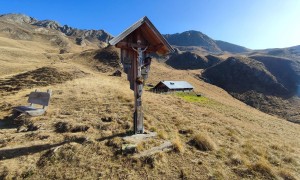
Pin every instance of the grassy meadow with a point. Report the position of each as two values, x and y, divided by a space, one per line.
214 136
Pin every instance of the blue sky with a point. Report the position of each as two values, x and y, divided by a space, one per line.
255 24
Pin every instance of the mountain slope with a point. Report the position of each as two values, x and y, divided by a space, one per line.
18 18
251 82
244 74
90 35
75 137
80 136
189 60
292 53
295 50
80 37
190 40
232 48
286 71
193 38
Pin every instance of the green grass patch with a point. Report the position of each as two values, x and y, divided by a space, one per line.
192 97
147 88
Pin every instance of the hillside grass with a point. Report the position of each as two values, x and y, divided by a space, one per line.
80 135
192 97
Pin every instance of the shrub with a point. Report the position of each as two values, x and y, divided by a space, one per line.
62 127
177 145
236 160
80 128
183 174
264 168
286 175
186 131
154 159
203 142
162 134
115 142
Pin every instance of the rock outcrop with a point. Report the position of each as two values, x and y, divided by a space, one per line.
18 18
94 36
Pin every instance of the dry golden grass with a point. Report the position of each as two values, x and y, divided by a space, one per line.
264 168
103 103
162 134
178 145
286 175
203 142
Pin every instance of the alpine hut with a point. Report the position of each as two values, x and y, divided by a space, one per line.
169 86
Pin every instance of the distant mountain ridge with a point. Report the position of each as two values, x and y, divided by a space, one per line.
196 38
18 18
194 41
70 31
193 38
289 52
229 47
78 34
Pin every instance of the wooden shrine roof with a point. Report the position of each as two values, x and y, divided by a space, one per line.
156 41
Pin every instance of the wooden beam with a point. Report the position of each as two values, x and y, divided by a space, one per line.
128 44
125 45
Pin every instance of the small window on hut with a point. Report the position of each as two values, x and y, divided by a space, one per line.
171 83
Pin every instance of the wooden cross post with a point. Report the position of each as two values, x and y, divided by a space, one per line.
138 89
135 43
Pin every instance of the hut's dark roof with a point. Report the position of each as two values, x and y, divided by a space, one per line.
176 84
149 32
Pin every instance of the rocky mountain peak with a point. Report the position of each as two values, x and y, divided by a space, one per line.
90 35
48 24
188 39
193 38
67 30
81 36
18 18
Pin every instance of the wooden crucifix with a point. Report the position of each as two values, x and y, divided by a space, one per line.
136 43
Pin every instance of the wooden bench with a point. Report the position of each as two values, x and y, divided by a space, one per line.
39 98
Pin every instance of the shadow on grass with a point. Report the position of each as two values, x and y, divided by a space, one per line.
23 151
127 133
7 121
